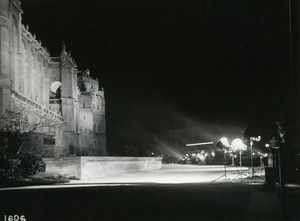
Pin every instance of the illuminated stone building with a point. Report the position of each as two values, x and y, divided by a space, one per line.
32 80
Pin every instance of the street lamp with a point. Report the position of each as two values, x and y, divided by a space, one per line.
252 175
252 139
237 145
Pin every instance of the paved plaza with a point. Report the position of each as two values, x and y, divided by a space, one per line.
177 192
177 173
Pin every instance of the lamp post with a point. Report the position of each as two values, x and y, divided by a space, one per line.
252 139
238 146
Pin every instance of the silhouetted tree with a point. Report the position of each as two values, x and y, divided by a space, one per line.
20 151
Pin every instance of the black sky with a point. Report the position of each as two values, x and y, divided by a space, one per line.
161 59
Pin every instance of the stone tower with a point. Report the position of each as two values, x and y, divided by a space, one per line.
92 125
64 72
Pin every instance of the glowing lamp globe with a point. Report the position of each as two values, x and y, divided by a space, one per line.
223 144
238 145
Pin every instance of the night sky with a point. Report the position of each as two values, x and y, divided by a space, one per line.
164 63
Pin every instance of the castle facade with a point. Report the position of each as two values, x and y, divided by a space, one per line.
31 80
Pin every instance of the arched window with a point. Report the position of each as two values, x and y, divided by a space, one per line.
55 90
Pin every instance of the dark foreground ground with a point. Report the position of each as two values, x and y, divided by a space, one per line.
136 202
217 201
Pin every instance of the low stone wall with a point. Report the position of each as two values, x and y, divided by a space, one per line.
97 167
67 166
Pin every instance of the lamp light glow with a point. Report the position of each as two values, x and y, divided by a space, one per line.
238 145
257 139
225 142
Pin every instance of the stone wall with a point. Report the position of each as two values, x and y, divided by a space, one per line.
97 167
68 166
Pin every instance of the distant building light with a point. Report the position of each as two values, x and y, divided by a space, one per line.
198 144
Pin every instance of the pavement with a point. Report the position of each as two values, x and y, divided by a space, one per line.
264 206
275 205
167 194
175 174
